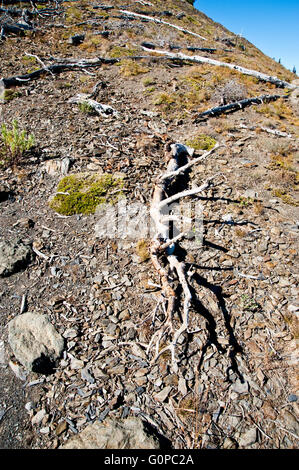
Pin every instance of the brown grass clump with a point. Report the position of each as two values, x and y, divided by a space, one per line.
142 250
130 68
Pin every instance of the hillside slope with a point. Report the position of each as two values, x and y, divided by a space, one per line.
153 68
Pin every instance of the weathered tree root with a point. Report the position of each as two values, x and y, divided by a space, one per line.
163 247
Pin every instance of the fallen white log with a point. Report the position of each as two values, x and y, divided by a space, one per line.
102 109
155 20
205 60
266 129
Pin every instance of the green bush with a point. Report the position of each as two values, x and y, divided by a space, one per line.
201 142
15 142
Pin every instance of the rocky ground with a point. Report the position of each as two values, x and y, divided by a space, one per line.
236 386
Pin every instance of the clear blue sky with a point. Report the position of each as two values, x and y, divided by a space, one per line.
271 25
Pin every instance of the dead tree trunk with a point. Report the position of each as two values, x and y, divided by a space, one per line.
204 60
62 66
237 105
155 20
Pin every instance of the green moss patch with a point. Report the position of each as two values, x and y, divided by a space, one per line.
201 142
83 192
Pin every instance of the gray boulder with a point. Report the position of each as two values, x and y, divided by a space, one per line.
129 433
14 256
35 342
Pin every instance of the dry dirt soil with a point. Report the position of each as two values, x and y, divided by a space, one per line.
237 381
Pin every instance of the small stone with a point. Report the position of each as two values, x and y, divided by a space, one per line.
138 351
70 333
141 380
292 398
38 417
85 375
163 394
240 387
75 363
250 193
248 438
290 421
117 370
29 406
182 387
45 430
76 39
61 427
230 443
14 256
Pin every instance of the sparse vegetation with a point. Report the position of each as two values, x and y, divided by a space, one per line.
285 197
230 92
164 99
121 51
142 250
249 304
82 193
86 108
201 142
130 68
118 300
15 143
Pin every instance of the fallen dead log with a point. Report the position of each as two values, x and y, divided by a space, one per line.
205 60
158 21
102 109
163 253
202 49
266 129
63 65
17 28
237 105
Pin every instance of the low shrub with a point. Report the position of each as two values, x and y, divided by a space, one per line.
15 142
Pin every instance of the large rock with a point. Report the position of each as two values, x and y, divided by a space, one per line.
35 342
129 433
14 256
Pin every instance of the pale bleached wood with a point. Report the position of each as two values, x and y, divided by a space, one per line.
205 60
156 20
163 247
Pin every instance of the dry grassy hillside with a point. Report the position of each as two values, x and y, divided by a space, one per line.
93 94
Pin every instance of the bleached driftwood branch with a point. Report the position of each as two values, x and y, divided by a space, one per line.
205 60
266 129
156 20
237 105
102 109
163 247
